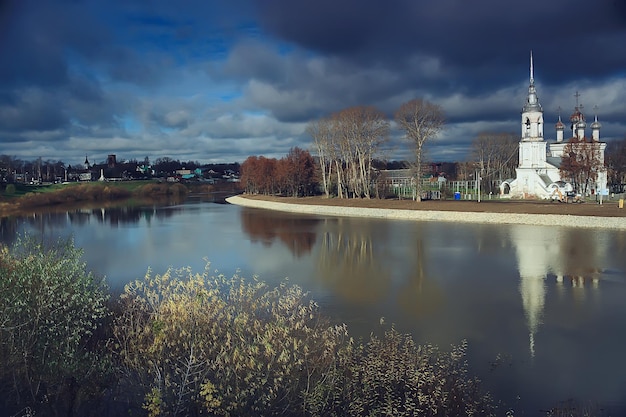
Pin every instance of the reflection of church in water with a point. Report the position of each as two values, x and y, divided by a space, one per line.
544 253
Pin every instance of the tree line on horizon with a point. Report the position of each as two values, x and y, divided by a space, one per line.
49 171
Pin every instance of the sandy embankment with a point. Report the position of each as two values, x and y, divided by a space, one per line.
431 215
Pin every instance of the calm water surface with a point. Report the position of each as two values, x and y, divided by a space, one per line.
542 308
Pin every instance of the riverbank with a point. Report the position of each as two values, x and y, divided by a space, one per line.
586 215
27 199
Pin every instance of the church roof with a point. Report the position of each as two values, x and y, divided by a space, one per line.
596 124
555 161
559 124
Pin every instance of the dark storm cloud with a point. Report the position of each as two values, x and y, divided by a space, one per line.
30 110
478 42
188 77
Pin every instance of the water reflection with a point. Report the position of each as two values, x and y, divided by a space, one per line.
569 256
347 262
58 217
297 233
352 258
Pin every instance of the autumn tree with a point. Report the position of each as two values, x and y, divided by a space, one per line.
258 175
298 173
293 174
616 164
581 163
494 154
420 120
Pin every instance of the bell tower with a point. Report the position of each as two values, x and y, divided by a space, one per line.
532 147
532 113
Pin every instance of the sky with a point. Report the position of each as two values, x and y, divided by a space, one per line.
217 81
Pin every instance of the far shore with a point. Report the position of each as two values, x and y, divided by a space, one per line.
586 215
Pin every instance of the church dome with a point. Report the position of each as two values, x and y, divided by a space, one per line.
596 125
559 125
576 116
581 124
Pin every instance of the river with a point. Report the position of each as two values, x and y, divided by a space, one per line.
542 308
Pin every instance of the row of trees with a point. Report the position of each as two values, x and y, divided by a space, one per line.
347 142
293 175
346 166
189 344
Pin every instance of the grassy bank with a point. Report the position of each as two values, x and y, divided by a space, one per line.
17 199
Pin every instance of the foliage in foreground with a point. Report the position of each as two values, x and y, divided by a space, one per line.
196 343
50 309
186 343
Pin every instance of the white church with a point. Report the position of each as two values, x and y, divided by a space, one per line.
537 174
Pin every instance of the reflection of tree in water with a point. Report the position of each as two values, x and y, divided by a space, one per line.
295 232
347 264
419 296
8 230
351 263
581 255
106 213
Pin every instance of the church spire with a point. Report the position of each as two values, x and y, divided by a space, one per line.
532 113
532 102
532 75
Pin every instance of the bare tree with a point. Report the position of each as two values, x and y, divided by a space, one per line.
421 121
581 163
361 131
616 164
349 141
320 131
495 155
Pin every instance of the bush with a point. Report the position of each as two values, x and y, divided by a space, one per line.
50 307
393 376
195 343
161 189
10 189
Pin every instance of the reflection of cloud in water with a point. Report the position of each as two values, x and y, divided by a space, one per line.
542 251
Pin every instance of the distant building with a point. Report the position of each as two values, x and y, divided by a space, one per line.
537 174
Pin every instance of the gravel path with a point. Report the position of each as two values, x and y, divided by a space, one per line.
431 215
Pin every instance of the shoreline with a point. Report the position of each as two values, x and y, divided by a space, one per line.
560 220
